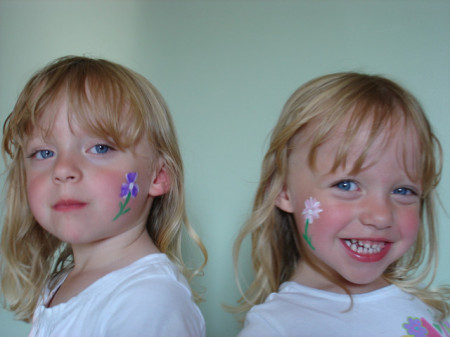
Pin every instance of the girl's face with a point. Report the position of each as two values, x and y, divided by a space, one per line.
365 221
74 182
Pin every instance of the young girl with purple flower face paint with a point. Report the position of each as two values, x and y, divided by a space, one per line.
343 226
91 242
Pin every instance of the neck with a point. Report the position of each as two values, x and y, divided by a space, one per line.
113 253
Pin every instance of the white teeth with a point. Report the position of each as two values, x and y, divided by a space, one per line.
364 247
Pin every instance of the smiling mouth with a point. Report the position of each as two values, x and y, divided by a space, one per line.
364 246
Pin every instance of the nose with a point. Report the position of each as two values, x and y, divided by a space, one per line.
377 211
66 169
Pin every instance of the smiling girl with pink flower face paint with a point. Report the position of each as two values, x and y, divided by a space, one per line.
91 242
345 207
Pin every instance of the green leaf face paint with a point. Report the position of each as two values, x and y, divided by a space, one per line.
128 190
310 212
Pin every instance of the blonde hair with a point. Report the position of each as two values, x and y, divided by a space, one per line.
112 102
321 105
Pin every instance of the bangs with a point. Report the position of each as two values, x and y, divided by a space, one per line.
380 121
347 128
105 101
107 109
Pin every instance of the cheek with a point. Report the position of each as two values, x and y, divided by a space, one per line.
409 224
331 219
110 187
111 181
121 193
36 193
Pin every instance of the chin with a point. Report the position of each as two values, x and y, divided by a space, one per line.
364 285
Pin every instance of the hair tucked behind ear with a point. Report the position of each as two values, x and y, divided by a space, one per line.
322 104
111 101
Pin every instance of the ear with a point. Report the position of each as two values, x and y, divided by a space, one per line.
161 181
284 202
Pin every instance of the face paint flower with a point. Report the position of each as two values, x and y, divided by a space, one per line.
310 212
128 190
130 186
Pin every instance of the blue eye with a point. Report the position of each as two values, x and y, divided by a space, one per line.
404 191
43 154
347 185
100 148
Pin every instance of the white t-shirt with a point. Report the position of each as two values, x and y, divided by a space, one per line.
301 311
149 297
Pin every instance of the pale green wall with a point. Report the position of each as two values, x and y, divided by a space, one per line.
226 68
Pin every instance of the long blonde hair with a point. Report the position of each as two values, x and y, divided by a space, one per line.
323 103
111 101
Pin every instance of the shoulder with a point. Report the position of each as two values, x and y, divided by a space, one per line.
278 315
155 270
152 280
155 296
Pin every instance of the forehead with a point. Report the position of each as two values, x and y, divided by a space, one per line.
43 122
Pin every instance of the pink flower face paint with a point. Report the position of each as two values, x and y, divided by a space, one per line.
128 190
310 212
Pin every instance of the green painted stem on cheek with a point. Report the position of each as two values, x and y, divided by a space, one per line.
122 207
306 237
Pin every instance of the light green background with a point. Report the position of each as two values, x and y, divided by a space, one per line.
225 69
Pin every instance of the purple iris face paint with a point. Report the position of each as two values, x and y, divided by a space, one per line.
128 190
